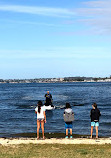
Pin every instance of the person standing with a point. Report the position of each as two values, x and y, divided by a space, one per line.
94 115
68 118
41 118
48 100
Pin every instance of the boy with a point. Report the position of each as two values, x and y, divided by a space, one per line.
68 118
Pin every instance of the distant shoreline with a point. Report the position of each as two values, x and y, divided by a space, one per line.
57 80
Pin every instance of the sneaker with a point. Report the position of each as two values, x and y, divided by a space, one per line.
71 137
66 137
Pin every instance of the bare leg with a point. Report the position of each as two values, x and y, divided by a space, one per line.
91 131
38 127
96 131
70 131
66 132
42 126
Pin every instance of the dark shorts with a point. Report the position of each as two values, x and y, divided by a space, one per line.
40 119
68 125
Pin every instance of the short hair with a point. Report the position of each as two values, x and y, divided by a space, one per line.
67 105
95 105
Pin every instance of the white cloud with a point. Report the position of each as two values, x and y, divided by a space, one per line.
99 3
97 14
31 23
46 11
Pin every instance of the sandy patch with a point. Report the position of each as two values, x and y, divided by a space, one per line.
16 141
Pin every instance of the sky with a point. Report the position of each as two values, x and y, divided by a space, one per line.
62 38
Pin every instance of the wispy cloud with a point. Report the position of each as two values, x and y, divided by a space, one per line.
31 23
94 14
99 3
97 14
57 53
46 11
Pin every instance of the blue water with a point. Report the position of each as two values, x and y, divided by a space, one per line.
18 101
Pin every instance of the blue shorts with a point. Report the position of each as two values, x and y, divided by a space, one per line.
95 124
68 125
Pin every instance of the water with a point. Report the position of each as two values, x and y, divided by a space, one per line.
18 101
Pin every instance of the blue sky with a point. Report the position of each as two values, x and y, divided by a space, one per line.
45 38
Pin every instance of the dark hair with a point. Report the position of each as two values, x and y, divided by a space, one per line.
39 105
95 105
67 105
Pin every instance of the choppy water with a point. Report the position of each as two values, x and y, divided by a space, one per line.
18 101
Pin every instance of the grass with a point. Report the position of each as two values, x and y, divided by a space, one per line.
55 151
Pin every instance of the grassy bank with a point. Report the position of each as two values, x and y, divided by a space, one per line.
55 151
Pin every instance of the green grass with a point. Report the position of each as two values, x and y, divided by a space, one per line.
55 151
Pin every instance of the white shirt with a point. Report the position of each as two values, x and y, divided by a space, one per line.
41 114
69 110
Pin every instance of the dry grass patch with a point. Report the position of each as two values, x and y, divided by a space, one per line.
55 151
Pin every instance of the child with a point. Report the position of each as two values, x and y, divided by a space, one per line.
95 114
41 118
68 118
